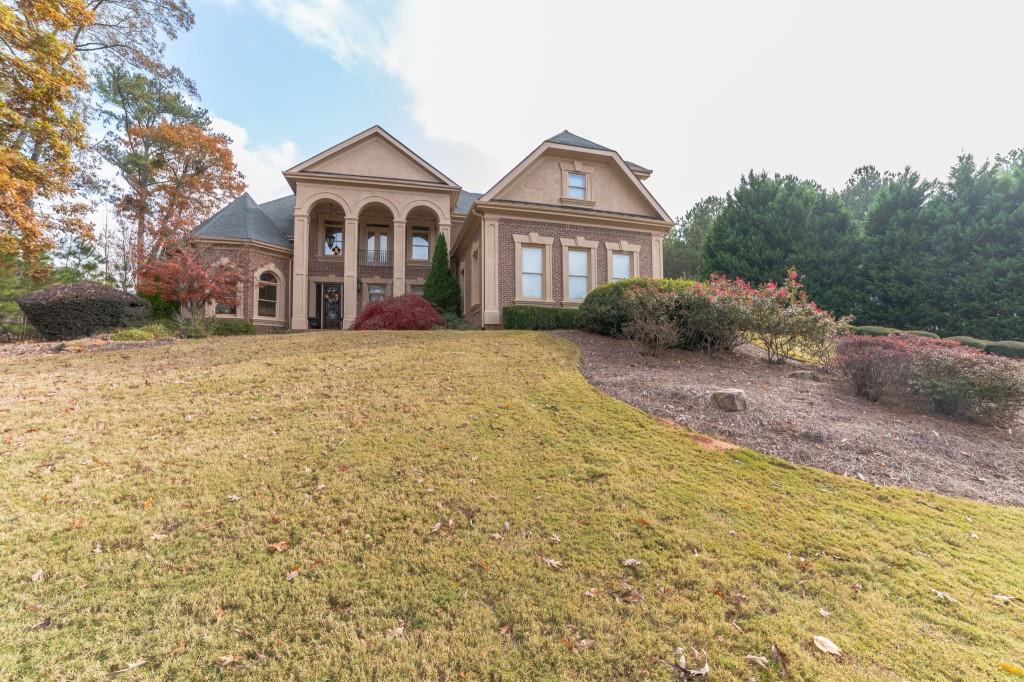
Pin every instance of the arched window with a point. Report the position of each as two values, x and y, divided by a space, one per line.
267 295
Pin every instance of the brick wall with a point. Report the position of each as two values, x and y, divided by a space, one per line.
507 252
248 259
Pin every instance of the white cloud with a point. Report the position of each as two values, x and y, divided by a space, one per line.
701 92
261 166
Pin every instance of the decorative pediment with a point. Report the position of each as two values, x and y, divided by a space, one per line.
373 153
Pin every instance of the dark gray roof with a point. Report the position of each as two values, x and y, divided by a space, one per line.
244 219
465 201
281 212
573 140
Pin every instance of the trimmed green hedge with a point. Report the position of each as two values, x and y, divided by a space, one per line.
231 327
872 330
603 311
980 344
538 317
919 332
1008 349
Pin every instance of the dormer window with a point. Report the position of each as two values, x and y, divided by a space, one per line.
577 186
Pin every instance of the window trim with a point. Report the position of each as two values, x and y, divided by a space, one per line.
211 306
336 216
578 243
533 239
577 168
364 294
430 244
282 294
623 247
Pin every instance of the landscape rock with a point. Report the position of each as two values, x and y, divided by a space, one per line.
730 399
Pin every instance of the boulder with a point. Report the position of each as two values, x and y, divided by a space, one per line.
730 399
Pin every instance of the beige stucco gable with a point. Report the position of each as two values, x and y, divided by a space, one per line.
612 189
373 153
373 157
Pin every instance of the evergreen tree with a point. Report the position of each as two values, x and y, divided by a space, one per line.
683 245
441 287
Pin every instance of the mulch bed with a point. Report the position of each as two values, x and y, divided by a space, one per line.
818 423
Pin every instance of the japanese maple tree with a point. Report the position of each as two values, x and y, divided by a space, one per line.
191 277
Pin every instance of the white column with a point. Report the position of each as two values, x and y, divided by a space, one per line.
351 302
657 256
489 272
398 286
300 275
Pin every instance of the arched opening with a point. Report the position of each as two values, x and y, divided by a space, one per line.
327 231
376 236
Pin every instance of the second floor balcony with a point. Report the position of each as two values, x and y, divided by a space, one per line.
376 257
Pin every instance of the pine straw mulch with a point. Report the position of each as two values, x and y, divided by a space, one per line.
814 423
87 345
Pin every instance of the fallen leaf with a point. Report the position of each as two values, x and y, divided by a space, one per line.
37 576
77 523
857 587
782 659
944 596
584 645
44 623
552 563
496 537
158 536
278 546
147 504
760 661
628 595
397 631
291 575
824 612
228 659
436 527
589 593
505 629
554 539
1003 598
1012 668
827 645
132 666
631 562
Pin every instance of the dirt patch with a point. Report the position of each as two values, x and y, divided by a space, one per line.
812 418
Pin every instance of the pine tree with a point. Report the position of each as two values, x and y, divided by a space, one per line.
441 287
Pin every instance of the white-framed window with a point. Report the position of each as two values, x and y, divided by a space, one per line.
622 265
334 239
376 292
226 309
420 244
267 298
532 272
576 186
579 274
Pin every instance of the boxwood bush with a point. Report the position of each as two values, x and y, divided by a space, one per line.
604 309
538 317
872 330
980 344
919 332
1008 349
222 327
71 311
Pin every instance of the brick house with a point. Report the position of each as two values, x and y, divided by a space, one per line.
365 215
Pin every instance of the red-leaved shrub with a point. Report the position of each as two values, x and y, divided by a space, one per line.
958 380
403 312
875 363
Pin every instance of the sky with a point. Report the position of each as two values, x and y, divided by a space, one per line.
701 92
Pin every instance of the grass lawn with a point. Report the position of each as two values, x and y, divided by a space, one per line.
415 484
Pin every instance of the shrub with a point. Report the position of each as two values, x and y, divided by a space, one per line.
784 320
980 344
965 382
454 321
441 287
653 323
604 312
149 332
538 317
403 312
70 311
871 330
162 309
714 315
874 364
1009 349
221 327
918 332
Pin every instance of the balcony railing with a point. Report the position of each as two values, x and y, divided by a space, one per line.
375 257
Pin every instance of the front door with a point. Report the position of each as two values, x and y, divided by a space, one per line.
330 298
